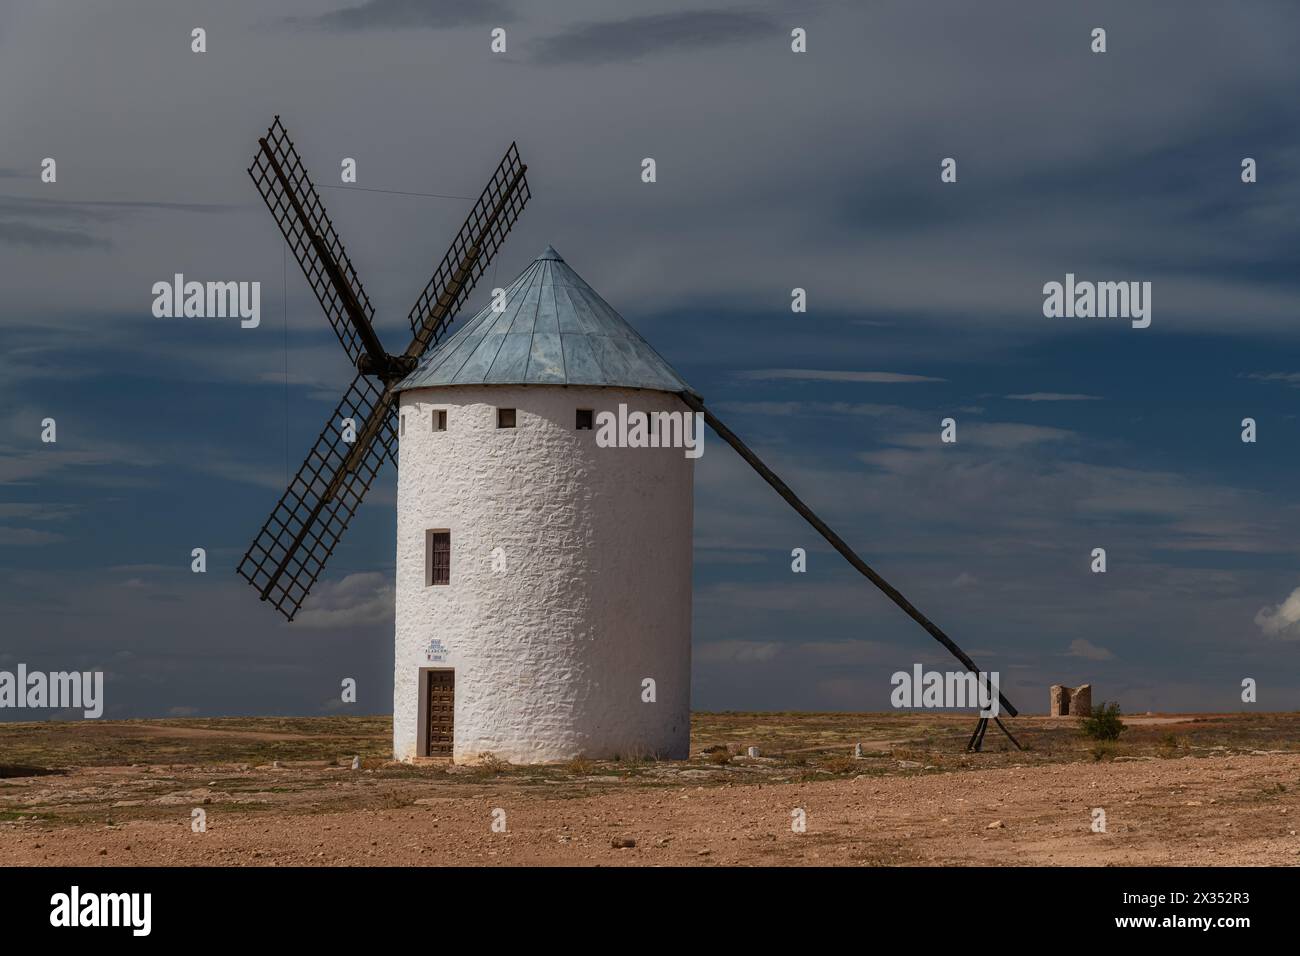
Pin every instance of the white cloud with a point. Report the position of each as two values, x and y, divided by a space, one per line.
1089 651
28 536
37 511
736 651
1000 435
1281 619
783 409
1054 397
1012 434
832 375
356 599
1285 378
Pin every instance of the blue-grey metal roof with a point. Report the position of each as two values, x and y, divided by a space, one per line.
555 330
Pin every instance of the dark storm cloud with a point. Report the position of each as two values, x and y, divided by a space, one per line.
1192 181
53 209
641 36
393 14
25 218
132 204
1174 210
99 209
25 234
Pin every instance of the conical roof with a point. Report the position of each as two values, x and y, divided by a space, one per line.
555 330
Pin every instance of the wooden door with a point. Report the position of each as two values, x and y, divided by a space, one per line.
442 712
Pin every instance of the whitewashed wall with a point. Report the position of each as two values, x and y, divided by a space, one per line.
596 595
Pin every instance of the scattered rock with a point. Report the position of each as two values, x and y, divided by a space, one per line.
622 843
356 763
752 752
996 825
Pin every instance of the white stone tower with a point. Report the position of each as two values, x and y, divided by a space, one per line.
543 581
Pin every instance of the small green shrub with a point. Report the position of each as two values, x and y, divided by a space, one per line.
1105 723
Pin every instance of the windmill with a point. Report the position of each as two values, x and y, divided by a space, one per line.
288 554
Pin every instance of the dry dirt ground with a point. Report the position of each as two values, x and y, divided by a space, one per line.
1176 790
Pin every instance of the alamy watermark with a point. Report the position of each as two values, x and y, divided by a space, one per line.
58 690
626 429
208 300
75 908
1101 300
954 689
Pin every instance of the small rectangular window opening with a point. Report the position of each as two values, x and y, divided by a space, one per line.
584 419
401 425
439 420
505 418
437 558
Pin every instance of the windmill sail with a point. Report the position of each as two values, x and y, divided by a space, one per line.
288 192
290 551
496 210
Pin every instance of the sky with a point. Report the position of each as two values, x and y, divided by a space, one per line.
775 170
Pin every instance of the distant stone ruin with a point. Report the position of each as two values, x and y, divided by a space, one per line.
1070 701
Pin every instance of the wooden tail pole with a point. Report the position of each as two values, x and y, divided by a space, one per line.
977 738
782 489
